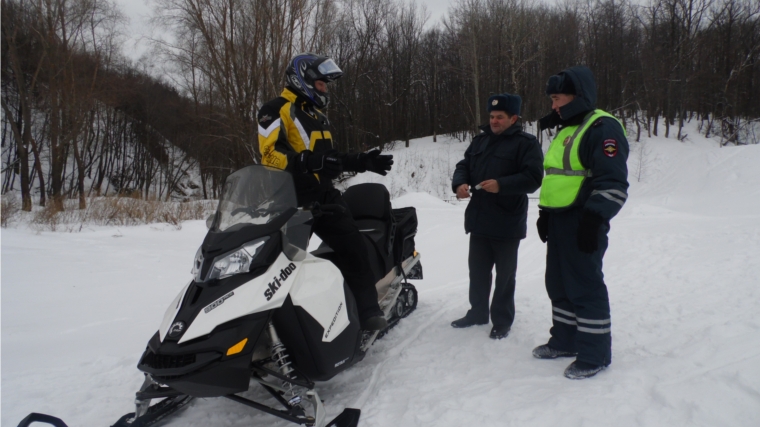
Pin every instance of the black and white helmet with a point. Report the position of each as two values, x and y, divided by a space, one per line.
306 68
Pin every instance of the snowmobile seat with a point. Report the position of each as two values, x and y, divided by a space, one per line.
370 206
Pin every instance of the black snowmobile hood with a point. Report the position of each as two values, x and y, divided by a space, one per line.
585 92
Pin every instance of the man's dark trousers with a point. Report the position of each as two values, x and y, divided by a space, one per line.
342 234
575 284
484 254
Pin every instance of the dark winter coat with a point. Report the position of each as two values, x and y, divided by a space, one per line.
515 160
605 192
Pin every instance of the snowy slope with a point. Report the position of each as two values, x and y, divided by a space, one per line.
682 268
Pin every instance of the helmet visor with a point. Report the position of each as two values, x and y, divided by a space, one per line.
330 70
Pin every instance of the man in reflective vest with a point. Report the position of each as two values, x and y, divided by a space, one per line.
585 186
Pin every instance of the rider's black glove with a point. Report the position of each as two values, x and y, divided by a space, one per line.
588 231
376 162
363 162
327 163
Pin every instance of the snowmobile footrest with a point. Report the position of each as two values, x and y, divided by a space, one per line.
348 418
41 418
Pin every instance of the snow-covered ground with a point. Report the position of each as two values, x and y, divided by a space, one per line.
682 268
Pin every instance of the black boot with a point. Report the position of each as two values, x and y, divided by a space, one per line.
580 370
466 322
499 332
546 352
374 323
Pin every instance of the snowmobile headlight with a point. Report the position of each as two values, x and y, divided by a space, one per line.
238 261
197 264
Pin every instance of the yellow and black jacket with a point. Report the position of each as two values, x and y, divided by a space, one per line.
289 125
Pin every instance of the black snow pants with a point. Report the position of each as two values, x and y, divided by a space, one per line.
484 254
575 284
342 234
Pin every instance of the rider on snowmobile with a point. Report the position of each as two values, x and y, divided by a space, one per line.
294 135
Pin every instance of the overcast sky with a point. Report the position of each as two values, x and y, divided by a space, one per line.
139 11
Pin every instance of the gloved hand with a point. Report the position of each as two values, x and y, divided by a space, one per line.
377 163
588 231
550 120
327 163
543 225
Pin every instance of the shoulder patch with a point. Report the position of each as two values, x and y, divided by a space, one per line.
265 118
598 122
610 147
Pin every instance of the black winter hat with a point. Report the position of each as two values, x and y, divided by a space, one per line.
505 102
560 83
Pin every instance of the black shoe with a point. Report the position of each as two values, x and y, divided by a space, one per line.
466 322
580 370
499 332
374 323
546 352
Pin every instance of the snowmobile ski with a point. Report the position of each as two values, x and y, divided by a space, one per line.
348 418
154 413
35 417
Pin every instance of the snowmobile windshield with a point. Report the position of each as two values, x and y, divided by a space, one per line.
254 195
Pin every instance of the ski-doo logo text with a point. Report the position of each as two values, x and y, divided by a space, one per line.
277 281
340 307
218 302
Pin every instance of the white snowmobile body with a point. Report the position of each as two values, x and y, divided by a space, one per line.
260 303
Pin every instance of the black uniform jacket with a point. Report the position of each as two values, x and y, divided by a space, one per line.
515 160
603 150
289 125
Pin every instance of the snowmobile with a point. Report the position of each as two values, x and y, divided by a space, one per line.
261 309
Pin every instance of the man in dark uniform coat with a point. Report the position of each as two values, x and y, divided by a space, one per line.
500 167
585 186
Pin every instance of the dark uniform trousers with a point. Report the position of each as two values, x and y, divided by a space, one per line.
484 254
342 234
575 284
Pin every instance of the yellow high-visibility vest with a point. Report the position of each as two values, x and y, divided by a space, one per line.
562 165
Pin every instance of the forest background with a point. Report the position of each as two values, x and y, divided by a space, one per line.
82 119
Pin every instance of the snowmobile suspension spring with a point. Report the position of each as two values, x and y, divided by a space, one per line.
279 352
280 356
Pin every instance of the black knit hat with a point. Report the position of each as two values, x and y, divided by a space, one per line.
560 83
505 102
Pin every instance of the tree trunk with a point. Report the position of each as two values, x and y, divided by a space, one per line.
22 154
80 175
57 158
